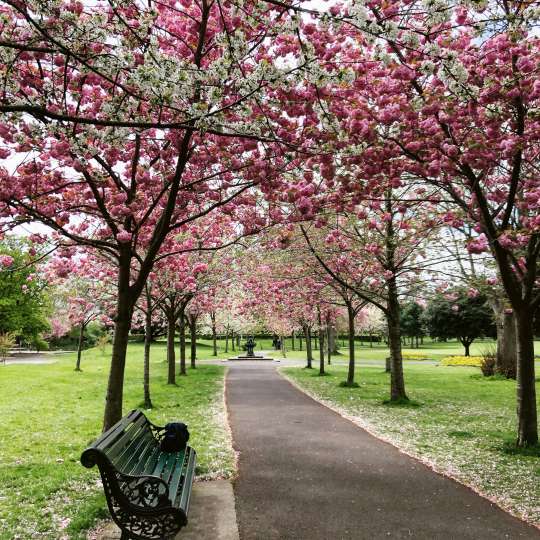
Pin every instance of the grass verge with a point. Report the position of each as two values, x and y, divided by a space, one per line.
50 413
461 424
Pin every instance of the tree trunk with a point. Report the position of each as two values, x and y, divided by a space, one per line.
147 343
321 351
292 341
182 331
316 343
193 338
300 342
370 340
233 342
506 358
328 349
214 334
467 346
283 346
333 342
350 373
393 315
309 352
125 302
227 341
397 381
525 387
171 360
79 347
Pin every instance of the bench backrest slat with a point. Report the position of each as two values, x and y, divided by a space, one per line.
175 479
117 444
132 452
136 466
112 433
148 463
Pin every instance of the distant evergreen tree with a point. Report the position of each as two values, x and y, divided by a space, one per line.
463 317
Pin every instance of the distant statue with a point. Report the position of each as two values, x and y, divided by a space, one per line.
250 345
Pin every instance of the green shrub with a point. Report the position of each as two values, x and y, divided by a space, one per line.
102 342
7 342
39 343
488 364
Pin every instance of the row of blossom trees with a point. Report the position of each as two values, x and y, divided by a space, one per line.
123 124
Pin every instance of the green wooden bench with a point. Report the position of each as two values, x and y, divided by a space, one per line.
147 490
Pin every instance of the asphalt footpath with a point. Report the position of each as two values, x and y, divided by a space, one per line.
307 473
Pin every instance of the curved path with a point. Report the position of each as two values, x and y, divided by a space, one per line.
307 473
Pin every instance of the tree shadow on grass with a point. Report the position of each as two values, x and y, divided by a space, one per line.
461 434
509 447
317 374
492 378
345 384
402 402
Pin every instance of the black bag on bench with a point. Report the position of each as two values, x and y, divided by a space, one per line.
175 437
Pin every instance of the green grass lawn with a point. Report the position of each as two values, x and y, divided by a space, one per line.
50 413
378 351
432 349
460 422
205 348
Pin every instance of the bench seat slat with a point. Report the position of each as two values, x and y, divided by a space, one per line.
167 464
176 463
161 464
176 479
184 495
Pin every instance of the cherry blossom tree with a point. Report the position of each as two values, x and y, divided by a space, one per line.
83 290
374 251
148 305
456 88
372 322
122 123
446 92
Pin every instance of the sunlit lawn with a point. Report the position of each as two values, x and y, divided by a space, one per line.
460 421
432 349
50 413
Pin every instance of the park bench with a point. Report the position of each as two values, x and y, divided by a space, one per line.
147 490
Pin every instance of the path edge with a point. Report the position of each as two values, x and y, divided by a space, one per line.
433 467
227 427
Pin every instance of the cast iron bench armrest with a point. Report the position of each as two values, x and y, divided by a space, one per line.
144 491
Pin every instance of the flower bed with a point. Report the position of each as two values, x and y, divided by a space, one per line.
474 361
415 356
